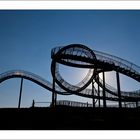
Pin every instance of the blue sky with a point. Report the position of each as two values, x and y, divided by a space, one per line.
27 37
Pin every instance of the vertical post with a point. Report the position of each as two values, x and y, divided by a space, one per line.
93 100
98 91
55 98
118 89
20 94
104 97
54 95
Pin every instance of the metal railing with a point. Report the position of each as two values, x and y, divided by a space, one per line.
117 61
81 104
111 59
99 55
32 76
73 103
73 51
69 86
41 104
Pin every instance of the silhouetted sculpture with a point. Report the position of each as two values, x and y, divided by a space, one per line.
80 56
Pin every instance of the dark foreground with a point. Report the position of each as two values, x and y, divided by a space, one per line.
68 118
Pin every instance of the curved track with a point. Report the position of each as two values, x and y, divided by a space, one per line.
88 59
47 85
32 77
101 61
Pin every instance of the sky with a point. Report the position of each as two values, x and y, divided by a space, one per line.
27 37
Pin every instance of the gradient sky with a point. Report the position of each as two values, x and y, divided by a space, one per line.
27 37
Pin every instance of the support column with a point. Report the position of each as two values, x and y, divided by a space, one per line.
20 94
93 99
55 98
98 92
104 97
54 95
118 89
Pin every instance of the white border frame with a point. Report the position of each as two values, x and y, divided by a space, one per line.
69 5
70 135
61 135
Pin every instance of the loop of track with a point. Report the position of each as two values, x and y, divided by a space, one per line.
75 55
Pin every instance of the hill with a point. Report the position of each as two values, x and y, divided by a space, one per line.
70 118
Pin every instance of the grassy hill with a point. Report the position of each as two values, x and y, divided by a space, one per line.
69 118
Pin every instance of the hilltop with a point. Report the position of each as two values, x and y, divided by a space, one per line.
70 118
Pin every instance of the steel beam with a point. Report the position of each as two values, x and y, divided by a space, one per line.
54 94
20 94
104 96
93 99
118 89
98 91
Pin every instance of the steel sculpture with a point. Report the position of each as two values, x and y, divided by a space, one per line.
78 55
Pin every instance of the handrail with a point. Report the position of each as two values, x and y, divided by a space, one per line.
73 103
32 76
81 104
70 86
103 57
46 84
118 61
111 59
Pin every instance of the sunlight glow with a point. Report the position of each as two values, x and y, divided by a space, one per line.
73 75
109 78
